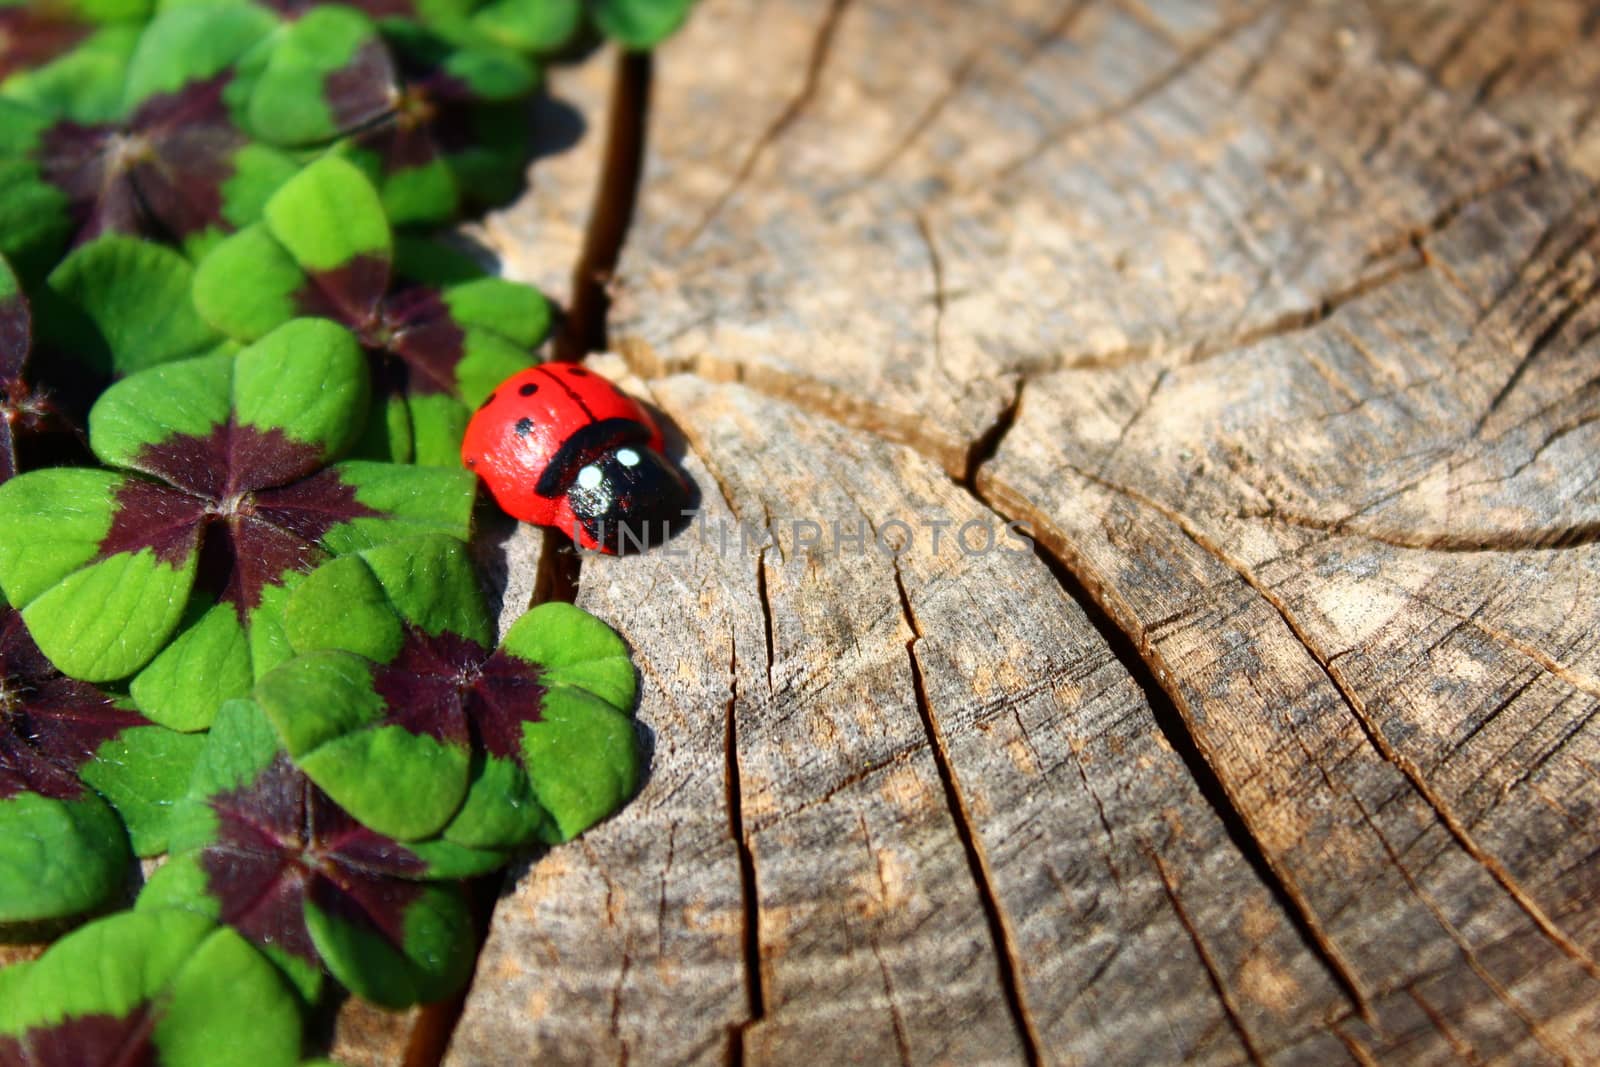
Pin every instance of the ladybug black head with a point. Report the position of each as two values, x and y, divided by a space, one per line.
621 491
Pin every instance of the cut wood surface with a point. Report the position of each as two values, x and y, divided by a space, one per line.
1277 326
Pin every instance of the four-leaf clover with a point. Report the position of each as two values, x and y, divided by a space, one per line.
398 678
174 564
258 846
439 342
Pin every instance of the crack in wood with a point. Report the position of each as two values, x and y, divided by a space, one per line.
1230 1005
1556 538
1007 957
622 167
1374 733
821 46
987 443
1357 1050
755 991
1541 343
1463 1050
1145 665
559 568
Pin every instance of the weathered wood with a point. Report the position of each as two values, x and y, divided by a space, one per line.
1276 323
896 791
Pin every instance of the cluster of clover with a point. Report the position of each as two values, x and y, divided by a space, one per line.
240 627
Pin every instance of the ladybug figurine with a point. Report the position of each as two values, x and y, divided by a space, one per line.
561 446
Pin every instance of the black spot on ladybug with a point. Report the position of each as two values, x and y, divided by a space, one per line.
579 371
524 426
529 389
472 463
486 402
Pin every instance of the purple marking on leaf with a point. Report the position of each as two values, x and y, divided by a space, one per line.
258 554
351 294
160 174
193 143
250 500
425 337
148 515
312 506
447 685
89 164
425 684
280 838
233 458
49 725
362 90
278 531
411 326
124 1041
431 118
507 696
30 37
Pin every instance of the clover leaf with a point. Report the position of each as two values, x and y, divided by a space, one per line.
403 102
639 24
258 846
68 58
115 306
454 133
166 987
171 163
537 27
175 564
398 679
31 37
437 348
546 26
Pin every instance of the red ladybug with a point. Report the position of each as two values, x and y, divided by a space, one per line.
561 446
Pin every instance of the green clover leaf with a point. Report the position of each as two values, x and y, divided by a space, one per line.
119 305
639 24
165 987
542 27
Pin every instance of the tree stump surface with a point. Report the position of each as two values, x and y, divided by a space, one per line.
1276 326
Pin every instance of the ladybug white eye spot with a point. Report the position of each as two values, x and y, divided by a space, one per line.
628 457
589 477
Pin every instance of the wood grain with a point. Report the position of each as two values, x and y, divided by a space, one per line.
1276 324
